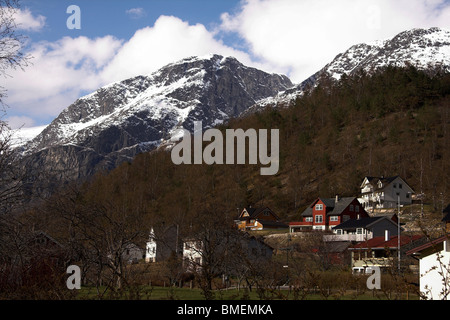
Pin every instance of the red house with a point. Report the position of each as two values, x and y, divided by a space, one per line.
326 213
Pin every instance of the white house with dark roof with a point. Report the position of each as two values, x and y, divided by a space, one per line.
385 193
364 229
434 268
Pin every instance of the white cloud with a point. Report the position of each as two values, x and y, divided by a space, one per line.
26 21
58 73
16 122
286 36
63 70
136 13
169 40
302 36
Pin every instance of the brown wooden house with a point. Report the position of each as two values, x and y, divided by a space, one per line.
259 219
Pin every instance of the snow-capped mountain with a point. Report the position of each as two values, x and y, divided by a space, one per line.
425 49
114 123
421 48
120 120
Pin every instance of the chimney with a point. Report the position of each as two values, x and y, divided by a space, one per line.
387 235
337 198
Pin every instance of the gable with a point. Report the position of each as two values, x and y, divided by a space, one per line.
261 213
405 186
366 181
265 213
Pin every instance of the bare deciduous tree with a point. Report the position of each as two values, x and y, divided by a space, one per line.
11 42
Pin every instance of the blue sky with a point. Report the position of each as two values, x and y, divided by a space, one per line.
119 39
106 17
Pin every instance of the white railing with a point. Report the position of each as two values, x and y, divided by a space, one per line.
347 237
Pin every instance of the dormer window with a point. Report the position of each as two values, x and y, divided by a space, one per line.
319 207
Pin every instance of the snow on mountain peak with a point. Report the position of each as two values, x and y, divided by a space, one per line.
142 111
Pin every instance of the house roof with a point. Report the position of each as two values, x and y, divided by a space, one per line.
336 246
361 223
247 236
357 223
430 244
307 212
381 243
255 212
336 207
384 180
40 233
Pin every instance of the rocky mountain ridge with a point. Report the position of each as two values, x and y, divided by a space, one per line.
113 124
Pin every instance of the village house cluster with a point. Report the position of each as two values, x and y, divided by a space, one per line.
364 231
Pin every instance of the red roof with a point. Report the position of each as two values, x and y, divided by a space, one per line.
379 242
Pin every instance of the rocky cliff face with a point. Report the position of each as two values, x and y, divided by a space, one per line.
118 121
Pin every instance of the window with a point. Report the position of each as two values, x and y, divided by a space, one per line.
339 231
359 231
400 185
395 186
308 219
319 206
319 219
334 218
356 208
351 208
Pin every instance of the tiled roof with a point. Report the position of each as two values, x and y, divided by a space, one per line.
337 208
358 223
427 245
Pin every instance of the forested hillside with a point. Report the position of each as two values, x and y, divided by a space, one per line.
394 122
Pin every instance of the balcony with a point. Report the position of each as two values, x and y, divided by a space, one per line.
371 262
346 237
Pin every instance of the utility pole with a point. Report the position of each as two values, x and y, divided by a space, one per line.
398 230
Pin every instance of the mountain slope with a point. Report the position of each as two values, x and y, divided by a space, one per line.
425 49
122 119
